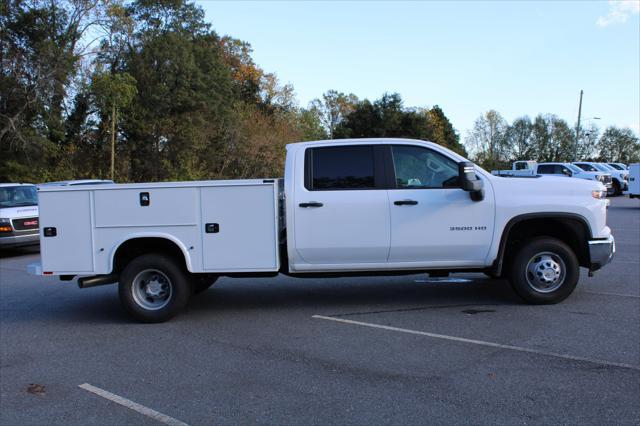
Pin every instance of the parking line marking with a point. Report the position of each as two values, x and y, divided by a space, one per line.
612 294
163 418
482 343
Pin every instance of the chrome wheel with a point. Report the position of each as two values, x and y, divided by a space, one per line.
151 289
545 272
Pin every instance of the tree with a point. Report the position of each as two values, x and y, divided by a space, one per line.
552 139
310 125
588 143
619 145
40 48
442 131
113 92
487 141
518 139
181 116
333 108
386 117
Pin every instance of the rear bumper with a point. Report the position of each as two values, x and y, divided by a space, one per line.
20 240
601 252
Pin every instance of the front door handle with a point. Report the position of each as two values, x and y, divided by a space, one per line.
311 204
405 203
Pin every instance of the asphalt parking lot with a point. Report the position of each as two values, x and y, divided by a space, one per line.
389 350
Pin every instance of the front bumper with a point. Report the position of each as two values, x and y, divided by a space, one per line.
19 240
601 252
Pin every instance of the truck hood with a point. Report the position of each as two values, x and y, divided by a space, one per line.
548 185
18 212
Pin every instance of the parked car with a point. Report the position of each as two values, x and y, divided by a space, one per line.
618 177
533 168
619 166
18 215
344 207
634 180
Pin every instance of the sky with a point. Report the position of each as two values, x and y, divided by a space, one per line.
517 57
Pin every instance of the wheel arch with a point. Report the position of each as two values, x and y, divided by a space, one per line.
135 245
571 228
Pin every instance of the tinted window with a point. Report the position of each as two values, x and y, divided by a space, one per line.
521 166
565 170
587 167
417 167
546 169
342 167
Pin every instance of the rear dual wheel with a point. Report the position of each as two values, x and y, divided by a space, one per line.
153 288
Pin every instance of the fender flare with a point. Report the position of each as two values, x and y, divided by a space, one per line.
162 235
496 268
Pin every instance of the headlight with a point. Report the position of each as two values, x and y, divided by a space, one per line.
5 220
600 177
599 194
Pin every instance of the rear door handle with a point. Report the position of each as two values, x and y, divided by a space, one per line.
311 204
405 203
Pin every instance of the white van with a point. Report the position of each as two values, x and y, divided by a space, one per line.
19 224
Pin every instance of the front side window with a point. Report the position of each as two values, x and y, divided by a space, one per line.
573 168
587 167
342 167
417 167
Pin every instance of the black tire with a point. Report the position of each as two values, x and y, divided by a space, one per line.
169 294
544 271
617 189
202 282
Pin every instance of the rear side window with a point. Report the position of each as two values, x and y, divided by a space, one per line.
546 169
341 168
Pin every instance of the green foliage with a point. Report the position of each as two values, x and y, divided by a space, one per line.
386 117
442 131
151 83
619 145
113 90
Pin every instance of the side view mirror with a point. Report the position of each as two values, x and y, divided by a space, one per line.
567 172
469 181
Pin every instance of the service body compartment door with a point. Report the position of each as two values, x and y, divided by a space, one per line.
240 228
66 216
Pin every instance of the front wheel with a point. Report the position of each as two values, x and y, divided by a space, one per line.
544 271
153 288
617 188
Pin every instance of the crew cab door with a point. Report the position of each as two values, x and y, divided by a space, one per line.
433 221
341 210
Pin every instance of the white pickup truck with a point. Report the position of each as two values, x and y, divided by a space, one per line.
344 207
531 168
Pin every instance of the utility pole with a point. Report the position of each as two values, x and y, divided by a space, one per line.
578 127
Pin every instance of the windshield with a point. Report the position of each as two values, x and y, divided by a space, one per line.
601 167
573 168
18 196
615 166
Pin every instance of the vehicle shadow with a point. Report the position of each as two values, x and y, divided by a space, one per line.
19 251
100 306
350 295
